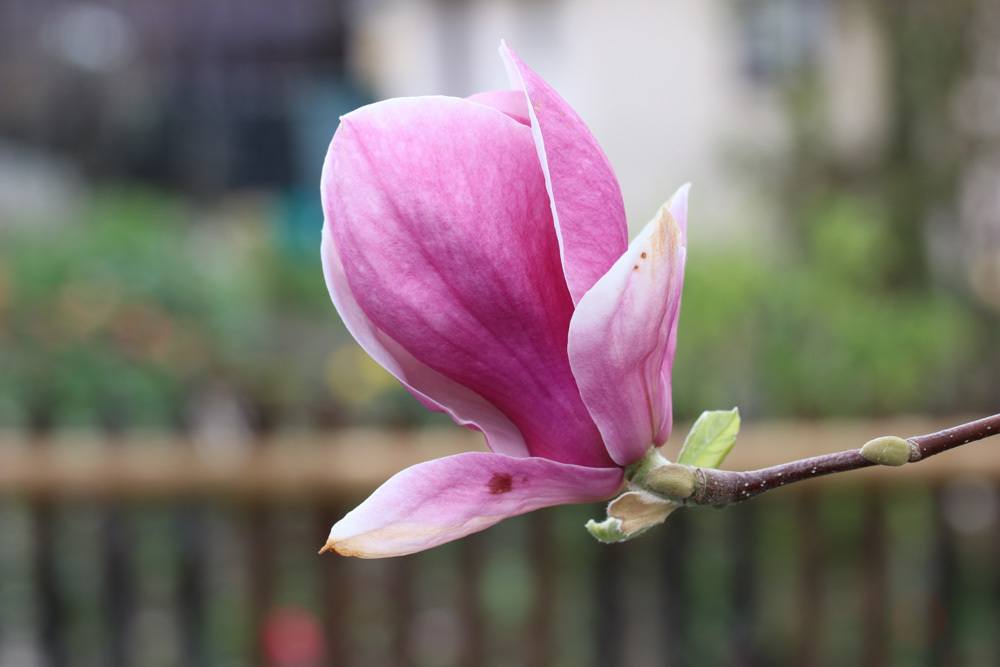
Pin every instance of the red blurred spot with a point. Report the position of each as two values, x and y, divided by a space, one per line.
293 638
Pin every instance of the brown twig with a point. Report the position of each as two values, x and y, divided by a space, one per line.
724 487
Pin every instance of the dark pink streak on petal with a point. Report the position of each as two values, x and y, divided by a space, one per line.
586 200
431 388
439 213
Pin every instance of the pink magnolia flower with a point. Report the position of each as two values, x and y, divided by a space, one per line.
477 249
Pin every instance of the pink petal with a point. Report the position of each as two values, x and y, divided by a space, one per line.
679 210
432 389
586 201
442 500
511 102
623 335
436 209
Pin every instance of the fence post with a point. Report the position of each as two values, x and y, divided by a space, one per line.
401 601
674 550
119 597
335 591
543 576
810 579
743 585
470 551
52 616
941 608
873 565
190 530
607 579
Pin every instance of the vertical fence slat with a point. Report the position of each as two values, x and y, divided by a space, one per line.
401 604
192 555
742 581
336 593
118 594
261 564
470 608
540 621
51 605
608 617
873 565
941 607
810 610
675 536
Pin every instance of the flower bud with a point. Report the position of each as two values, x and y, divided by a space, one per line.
672 481
888 450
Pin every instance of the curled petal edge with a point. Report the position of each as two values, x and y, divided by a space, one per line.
438 501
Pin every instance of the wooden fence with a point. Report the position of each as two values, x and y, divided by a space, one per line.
140 549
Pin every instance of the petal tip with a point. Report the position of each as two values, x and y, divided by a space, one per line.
342 547
678 205
505 50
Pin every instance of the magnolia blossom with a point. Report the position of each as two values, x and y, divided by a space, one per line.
477 249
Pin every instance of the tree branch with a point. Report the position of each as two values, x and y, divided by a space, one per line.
724 487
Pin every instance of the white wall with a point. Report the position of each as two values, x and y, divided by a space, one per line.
661 83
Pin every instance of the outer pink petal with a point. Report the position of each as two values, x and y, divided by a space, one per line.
586 200
442 500
623 335
436 210
433 389
511 102
678 206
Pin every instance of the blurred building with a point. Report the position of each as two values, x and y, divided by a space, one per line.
206 98
192 96
673 90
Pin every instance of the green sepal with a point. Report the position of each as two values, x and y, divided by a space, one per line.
630 515
608 531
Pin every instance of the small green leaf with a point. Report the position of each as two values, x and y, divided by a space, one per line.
711 438
608 531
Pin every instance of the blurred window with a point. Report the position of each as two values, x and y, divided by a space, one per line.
781 38
200 96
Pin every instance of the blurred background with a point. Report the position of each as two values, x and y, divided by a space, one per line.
182 415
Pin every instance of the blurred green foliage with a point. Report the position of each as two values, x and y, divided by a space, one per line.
120 314
823 331
134 311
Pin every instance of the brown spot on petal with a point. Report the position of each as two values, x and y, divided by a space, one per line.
643 255
666 238
500 482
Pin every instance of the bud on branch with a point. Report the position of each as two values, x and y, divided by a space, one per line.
709 486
